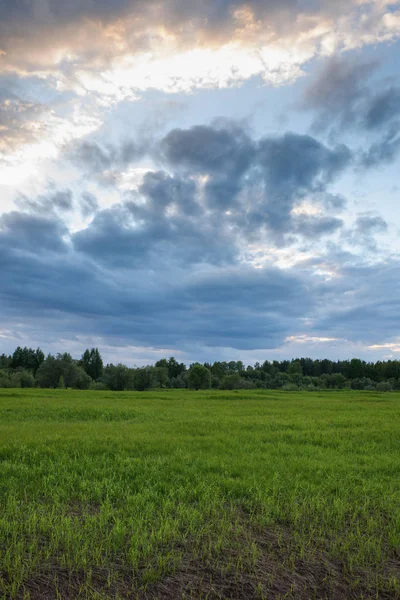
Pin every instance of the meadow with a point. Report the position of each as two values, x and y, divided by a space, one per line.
206 495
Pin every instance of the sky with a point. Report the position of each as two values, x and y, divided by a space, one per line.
212 180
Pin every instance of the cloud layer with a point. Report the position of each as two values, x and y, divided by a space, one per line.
189 233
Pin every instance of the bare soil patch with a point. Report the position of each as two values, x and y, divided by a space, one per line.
274 573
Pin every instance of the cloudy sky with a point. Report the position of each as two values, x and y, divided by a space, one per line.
213 180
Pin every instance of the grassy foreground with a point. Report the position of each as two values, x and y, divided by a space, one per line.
178 494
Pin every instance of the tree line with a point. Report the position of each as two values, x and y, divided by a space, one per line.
28 367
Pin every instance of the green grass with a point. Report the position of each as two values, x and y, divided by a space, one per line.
103 495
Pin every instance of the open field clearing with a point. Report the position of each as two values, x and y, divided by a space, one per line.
179 494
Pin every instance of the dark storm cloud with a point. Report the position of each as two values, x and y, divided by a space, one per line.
346 97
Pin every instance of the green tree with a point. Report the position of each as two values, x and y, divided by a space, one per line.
235 382
295 368
199 377
27 358
49 373
92 363
83 380
118 377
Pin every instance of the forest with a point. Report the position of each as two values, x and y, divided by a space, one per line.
28 368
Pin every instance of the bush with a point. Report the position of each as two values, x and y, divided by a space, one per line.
27 379
178 382
312 388
235 382
361 383
99 386
384 386
4 380
15 380
83 380
290 387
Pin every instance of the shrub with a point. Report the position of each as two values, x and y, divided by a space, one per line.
27 379
15 380
178 382
290 387
99 386
235 382
384 386
312 388
83 380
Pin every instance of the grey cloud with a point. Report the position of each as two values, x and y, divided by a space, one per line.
32 233
153 299
163 224
163 191
383 108
250 191
293 166
296 161
368 312
338 92
368 224
164 267
88 204
52 202
335 202
209 149
258 181
316 227
97 159
383 151
364 230
223 153
167 307
345 98
238 188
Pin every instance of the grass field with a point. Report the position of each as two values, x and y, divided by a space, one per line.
179 494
